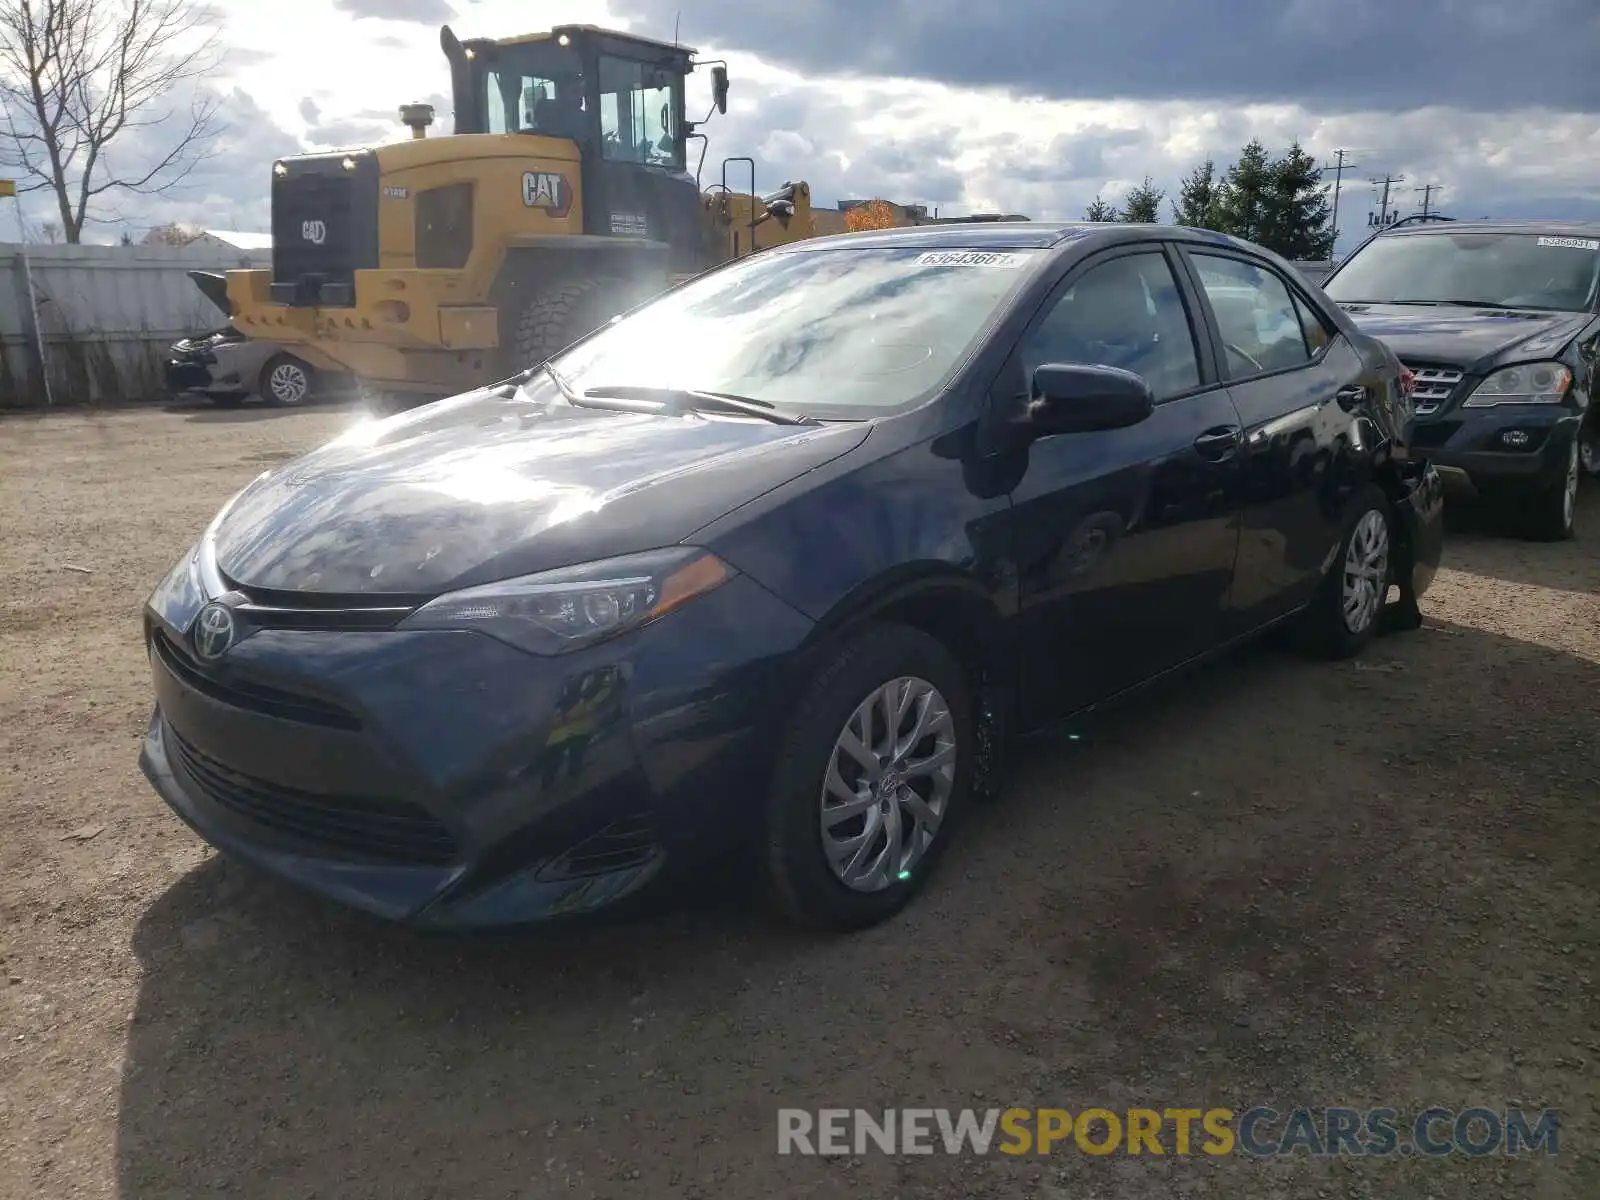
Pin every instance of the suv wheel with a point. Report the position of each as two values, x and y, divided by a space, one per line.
1548 515
1589 448
1349 607
871 780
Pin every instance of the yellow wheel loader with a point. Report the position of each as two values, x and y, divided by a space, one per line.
436 264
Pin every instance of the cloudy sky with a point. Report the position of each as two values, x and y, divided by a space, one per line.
1031 106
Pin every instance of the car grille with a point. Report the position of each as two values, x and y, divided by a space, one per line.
248 694
628 842
1434 386
368 828
270 608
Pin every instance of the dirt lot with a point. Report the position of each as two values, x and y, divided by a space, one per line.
1278 882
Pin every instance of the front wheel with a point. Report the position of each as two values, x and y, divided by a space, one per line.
1346 613
871 779
1589 447
1550 515
286 381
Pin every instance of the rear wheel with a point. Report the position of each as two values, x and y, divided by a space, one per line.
1346 613
555 318
871 781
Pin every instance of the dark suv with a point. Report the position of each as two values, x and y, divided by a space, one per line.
1500 321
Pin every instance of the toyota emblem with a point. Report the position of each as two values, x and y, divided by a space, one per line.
214 631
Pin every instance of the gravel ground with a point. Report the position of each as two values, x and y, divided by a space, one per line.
1371 883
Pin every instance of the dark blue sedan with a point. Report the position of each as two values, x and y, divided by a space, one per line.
774 567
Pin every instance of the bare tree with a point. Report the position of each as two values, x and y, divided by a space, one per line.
78 77
174 233
51 232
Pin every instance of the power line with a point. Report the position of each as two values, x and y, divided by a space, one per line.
1340 165
1427 196
1383 212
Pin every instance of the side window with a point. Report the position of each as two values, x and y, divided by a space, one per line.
1255 315
1124 313
1312 324
637 102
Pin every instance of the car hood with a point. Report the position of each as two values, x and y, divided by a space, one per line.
1473 339
483 487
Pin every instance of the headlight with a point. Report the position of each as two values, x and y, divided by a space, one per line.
1527 383
557 611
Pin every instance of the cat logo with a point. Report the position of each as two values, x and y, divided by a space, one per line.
547 190
315 232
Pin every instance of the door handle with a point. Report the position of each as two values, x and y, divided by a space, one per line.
1219 444
1349 398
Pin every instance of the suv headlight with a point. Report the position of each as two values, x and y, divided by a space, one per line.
556 611
1526 383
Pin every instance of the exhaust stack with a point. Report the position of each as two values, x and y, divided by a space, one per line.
418 117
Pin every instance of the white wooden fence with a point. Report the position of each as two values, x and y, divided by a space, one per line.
105 313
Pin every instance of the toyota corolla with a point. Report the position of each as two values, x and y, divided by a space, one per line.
774 567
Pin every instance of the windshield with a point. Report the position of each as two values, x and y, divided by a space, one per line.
841 334
534 88
1509 270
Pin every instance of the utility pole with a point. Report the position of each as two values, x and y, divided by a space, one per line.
1340 165
1427 196
1385 183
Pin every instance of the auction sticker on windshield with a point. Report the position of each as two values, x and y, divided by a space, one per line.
1571 243
969 258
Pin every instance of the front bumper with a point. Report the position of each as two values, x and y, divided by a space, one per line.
188 375
447 780
1469 446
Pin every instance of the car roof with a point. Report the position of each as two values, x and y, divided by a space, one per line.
1011 235
1589 229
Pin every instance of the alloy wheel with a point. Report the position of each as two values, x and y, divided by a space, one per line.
1366 571
888 784
288 383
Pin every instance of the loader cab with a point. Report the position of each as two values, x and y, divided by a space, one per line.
619 98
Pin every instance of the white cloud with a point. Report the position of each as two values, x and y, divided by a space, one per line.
309 73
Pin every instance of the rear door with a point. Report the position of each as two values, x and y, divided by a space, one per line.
1125 539
1298 384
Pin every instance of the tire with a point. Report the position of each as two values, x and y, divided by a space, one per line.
286 381
1589 446
1548 515
1329 628
557 317
804 885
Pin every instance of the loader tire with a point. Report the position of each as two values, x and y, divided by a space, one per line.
559 316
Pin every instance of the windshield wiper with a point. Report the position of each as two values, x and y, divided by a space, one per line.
689 400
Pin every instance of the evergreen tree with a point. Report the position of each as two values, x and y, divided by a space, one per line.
1296 208
1100 211
1242 198
1143 204
1196 205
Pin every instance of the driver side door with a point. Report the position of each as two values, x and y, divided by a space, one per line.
1124 540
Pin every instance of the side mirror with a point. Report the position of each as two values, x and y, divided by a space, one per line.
719 88
1079 398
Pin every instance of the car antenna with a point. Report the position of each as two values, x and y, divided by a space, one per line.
676 18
